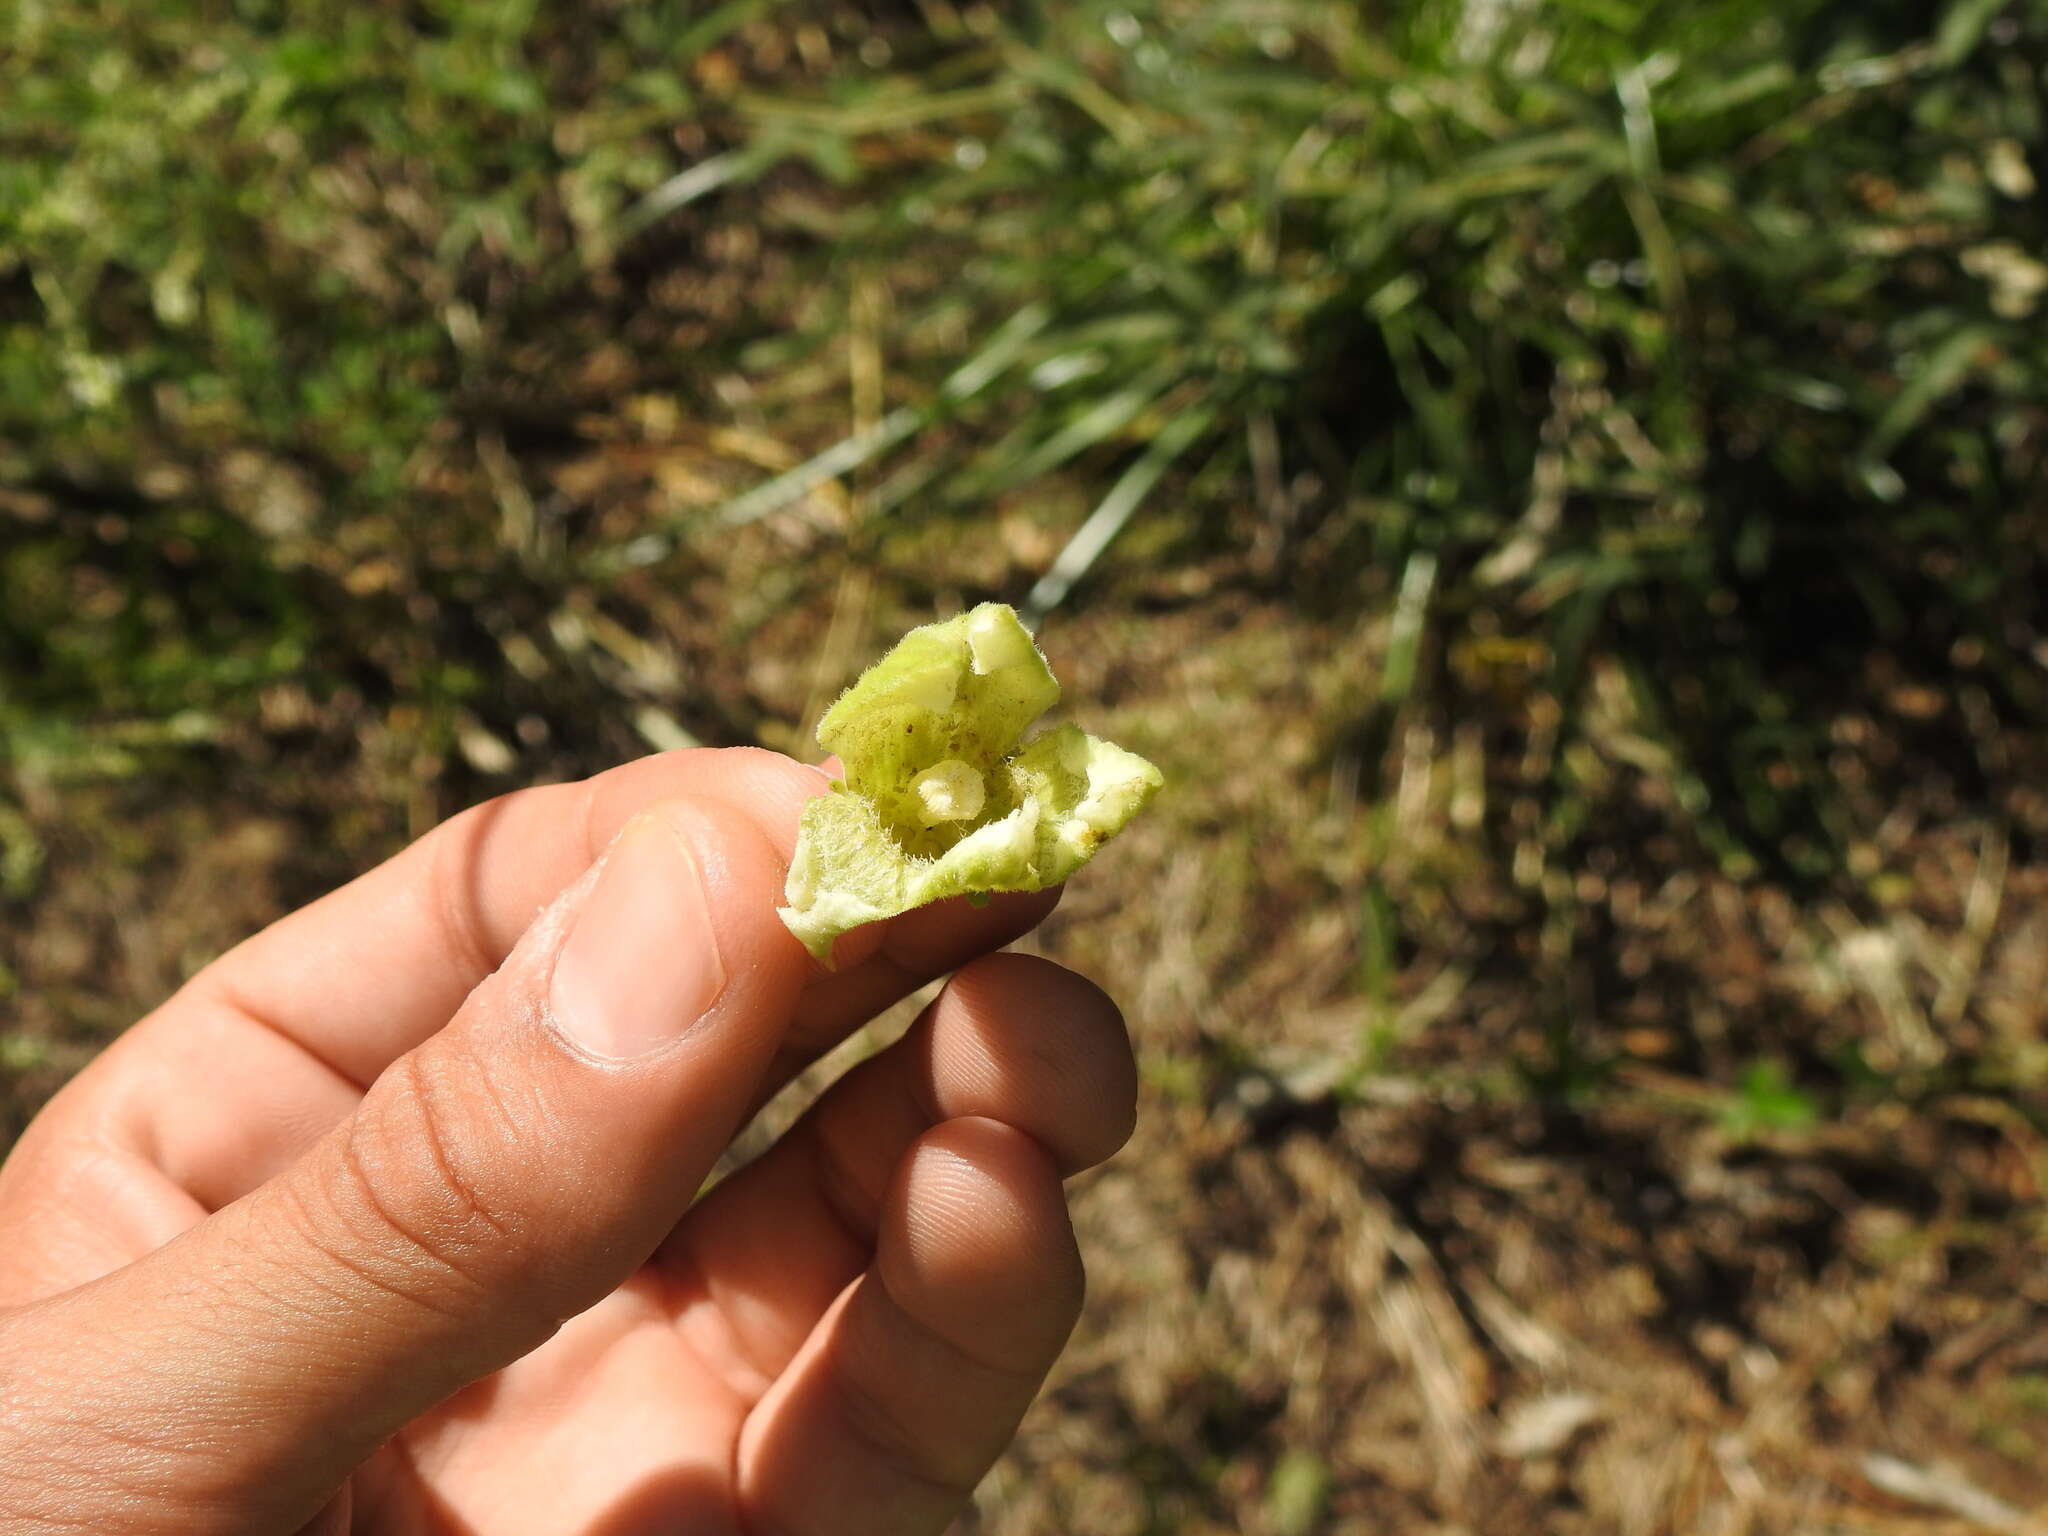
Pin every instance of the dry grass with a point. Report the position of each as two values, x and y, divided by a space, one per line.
1479 1309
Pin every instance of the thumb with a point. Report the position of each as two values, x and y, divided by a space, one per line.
502 1177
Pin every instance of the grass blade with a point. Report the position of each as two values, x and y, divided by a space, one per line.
1107 520
1004 348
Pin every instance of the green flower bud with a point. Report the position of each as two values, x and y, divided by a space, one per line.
942 796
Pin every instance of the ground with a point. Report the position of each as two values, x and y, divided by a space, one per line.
1358 1273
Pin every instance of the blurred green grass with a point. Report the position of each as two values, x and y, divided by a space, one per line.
1702 337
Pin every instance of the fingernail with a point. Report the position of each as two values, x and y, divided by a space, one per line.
641 963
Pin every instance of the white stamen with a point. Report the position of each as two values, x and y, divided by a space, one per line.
997 640
950 791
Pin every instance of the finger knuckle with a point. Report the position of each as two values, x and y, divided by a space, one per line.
1062 1056
894 1443
410 1197
453 855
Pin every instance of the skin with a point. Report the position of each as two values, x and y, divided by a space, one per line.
350 1235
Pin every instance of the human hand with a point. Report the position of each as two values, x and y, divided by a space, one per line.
384 1222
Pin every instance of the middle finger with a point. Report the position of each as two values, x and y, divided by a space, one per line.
1016 1039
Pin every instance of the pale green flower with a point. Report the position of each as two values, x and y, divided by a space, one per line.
942 796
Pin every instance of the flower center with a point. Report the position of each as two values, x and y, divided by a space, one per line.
949 791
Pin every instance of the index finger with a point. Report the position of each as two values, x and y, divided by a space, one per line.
367 972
